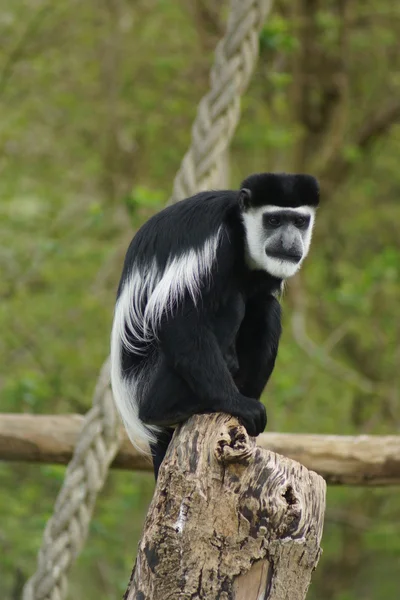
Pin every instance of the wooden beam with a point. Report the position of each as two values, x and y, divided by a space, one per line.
228 520
352 460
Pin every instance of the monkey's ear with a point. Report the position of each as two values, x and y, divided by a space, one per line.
244 198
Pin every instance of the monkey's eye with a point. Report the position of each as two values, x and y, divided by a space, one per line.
273 221
301 221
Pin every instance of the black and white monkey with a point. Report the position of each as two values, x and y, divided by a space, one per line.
197 322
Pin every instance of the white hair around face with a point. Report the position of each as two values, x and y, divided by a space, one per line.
261 242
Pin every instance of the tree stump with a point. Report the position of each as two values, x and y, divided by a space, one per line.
228 520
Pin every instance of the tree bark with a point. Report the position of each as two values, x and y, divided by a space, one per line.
228 520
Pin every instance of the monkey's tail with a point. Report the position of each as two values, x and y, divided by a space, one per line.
160 446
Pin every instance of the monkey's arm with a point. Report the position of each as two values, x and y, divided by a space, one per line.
257 344
191 349
193 340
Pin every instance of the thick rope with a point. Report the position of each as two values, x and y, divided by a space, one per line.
218 113
217 118
67 529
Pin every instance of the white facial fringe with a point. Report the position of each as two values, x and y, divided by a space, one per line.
147 296
256 237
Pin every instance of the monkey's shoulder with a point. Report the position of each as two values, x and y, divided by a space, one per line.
201 225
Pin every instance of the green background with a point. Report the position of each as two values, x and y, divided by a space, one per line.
96 103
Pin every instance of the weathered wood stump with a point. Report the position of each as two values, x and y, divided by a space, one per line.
228 520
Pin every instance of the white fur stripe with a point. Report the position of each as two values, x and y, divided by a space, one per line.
145 297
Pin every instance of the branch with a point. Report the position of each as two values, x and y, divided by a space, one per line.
330 364
320 353
376 124
359 460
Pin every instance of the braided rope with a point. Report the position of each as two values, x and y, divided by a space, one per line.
218 113
67 529
217 118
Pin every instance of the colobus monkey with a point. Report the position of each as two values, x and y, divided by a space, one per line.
197 323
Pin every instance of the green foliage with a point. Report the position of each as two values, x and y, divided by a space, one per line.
143 197
96 105
276 35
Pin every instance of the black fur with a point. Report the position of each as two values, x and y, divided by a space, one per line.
289 191
216 355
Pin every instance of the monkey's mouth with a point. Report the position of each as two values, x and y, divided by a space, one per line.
293 257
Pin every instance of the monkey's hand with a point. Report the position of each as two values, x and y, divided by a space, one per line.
251 413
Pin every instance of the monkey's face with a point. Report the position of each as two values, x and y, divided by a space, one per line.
278 239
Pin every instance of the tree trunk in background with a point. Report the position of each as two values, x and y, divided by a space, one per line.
228 520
